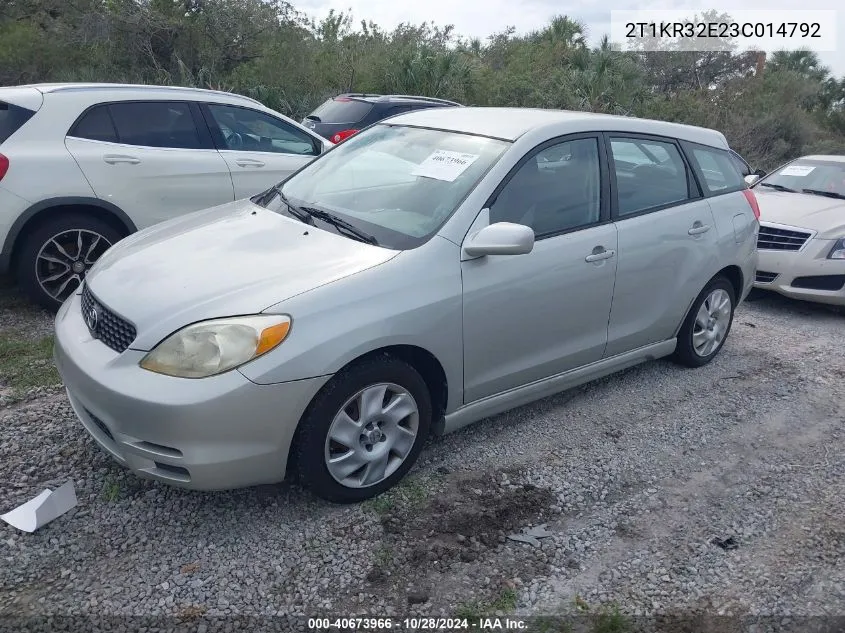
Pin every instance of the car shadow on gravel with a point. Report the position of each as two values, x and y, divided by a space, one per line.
774 303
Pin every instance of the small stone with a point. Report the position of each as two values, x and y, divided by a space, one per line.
417 597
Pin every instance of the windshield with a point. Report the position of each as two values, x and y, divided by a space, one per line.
396 184
341 110
825 176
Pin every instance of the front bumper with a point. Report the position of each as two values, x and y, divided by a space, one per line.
791 272
213 433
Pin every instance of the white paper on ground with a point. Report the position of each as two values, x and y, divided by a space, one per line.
44 508
443 164
796 170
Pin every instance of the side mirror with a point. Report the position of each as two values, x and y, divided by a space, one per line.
501 238
752 178
760 173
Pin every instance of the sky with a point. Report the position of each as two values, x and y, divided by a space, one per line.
474 18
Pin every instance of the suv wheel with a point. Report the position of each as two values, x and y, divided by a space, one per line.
363 431
707 325
55 257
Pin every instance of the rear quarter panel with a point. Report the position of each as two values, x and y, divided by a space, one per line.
737 229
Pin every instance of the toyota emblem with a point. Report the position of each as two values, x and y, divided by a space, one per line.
92 318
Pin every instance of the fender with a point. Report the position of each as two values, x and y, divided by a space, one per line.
38 207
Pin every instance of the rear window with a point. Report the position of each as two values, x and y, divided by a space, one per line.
341 110
155 124
12 117
717 168
96 125
743 167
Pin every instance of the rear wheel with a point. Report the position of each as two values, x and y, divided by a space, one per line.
364 430
707 325
55 257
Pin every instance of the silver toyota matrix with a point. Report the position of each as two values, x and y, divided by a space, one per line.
437 268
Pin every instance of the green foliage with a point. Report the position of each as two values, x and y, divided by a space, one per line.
25 362
268 50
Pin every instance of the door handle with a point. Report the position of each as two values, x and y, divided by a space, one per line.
698 228
249 162
114 159
597 256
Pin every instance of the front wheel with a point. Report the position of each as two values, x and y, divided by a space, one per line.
363 431
707 325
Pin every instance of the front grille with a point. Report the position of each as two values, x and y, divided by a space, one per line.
820 282
762 277
114 331
774 239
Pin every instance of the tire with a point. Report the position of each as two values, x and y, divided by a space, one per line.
687 353
312 448
34 272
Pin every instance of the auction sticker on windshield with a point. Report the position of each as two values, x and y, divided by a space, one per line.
443 164
796 170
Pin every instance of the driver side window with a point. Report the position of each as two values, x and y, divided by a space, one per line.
242 129
557 189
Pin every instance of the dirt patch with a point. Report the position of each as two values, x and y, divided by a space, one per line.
467 517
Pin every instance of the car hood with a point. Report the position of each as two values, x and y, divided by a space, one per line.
235 259
805 210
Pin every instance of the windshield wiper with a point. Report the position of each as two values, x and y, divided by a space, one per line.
263 199
829 194
307 215
340 224
778 187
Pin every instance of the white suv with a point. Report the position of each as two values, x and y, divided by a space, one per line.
84 165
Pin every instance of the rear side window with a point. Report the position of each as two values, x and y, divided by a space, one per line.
341 110
155 124
716 168
95 125
12 117
649 174
743 167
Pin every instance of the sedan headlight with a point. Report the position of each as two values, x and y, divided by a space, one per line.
838 250
212 347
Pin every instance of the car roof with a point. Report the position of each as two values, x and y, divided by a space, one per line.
49 88
511 123
379 98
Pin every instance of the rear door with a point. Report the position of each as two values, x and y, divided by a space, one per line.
668 243
150 158
261 150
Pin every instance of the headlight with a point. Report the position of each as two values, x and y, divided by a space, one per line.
838 250
212 347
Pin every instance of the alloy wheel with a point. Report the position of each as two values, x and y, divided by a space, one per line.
65 259
711 322
372 435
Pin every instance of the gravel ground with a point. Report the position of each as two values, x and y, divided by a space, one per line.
638 477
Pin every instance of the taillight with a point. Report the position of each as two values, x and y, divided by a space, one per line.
752 200
4 166
337 138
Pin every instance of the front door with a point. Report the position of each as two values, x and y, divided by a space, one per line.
528 317
261 150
